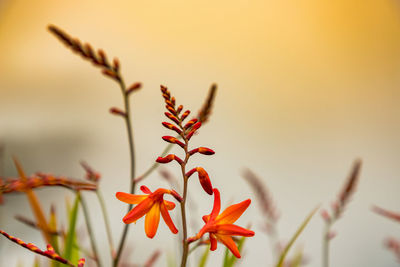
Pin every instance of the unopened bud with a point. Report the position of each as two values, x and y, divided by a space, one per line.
133 87
205 180
117 111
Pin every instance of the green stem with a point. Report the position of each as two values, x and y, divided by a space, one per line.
90 231
132 163
185 244
106 222
325 245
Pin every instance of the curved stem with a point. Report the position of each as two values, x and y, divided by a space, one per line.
89 229
132 163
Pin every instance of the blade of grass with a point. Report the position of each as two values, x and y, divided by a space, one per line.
204 257
71 236
294 237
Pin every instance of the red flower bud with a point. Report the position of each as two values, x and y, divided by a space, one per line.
202 150
173 140
190 123
111 74
172 117
116 64
133 87
194 129
117 111
168 159
170 109
185 114
179 109
171 127
205 180
173 101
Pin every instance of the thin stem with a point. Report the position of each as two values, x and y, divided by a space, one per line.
90 231
155 165
106 222
325 244
185 244
132 163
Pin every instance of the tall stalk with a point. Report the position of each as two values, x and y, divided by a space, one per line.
127 118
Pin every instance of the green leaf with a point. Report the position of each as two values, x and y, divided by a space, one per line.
204 257
294 237
70 253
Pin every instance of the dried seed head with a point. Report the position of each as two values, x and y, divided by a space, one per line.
206 110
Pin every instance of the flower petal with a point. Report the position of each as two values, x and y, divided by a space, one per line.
129 198
213 242
167 218
231 229
230 244
169 205
139 211
206 218
152 220
145 189
217 205
233 212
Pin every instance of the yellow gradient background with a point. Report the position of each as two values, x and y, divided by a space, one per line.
305 87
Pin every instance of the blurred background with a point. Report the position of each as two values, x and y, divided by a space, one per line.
305 87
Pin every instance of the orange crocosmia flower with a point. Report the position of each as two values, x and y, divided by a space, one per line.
150 205
220 226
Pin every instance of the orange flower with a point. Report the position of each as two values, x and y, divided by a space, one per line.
220 226
150 205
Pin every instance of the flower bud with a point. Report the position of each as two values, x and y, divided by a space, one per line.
117 111
133 87
173 140
194 129
185 114
205 180
202 150
171 127
172 117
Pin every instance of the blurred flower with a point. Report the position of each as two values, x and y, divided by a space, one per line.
220 226
150 205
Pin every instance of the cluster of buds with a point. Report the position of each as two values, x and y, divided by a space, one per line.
49 253
185 131
12 185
